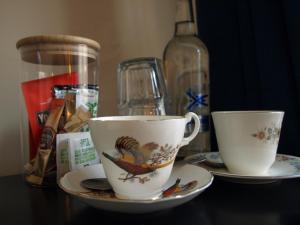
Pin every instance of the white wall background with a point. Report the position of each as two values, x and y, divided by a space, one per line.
124 28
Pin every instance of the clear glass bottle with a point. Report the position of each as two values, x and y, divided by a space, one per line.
186 64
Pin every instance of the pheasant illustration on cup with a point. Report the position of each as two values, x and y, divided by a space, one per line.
139 160
138 152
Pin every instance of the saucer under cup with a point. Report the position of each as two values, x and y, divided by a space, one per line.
248 140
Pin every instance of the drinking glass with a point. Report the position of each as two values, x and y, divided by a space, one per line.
141 87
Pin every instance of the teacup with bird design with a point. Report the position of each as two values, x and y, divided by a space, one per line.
138 152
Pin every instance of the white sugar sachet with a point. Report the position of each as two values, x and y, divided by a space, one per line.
62 154
82 152
74 151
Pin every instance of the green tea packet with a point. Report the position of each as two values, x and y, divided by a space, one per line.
86 95
74 151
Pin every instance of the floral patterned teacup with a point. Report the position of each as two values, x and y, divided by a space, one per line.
248 140
138 152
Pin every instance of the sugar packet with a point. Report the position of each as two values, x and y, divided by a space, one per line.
74 151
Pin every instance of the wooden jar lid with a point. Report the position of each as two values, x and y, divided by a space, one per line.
58 39
57 49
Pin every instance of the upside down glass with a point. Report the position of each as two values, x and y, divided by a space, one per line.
141 87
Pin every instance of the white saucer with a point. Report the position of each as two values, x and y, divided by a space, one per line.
285 167
201 178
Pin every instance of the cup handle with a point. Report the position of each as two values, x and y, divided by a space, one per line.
189 116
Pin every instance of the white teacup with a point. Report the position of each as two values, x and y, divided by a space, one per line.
138 152
248 140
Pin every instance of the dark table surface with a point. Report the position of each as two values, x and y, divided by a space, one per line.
222 203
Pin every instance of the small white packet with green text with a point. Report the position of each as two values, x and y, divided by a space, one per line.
74 151
62 155
82 152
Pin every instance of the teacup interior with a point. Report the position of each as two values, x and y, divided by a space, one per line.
248 112
136 118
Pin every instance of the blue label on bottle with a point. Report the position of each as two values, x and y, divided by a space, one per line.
196 100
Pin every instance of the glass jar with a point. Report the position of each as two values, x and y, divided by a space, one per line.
59 92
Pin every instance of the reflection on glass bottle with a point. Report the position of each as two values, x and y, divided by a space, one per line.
187 80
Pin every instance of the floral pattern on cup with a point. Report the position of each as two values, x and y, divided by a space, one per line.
268 134
140 162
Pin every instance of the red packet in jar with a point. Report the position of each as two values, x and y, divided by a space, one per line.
38 96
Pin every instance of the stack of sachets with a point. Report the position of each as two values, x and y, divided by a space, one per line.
58 123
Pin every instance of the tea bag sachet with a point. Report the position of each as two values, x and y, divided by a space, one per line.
78 121
43 165
83 104
70 109
86 95
38 97
75 151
